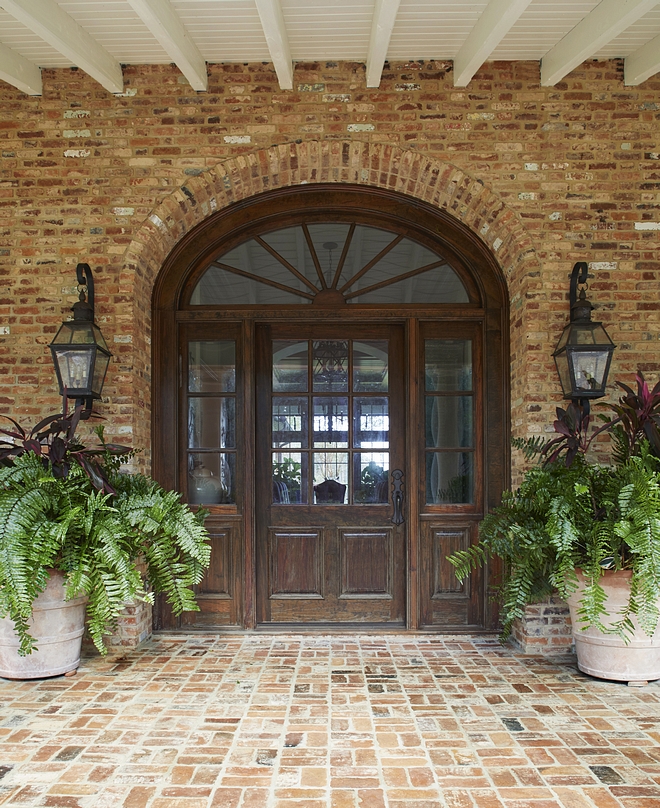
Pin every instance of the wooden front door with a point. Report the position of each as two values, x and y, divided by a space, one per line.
330 460
310 344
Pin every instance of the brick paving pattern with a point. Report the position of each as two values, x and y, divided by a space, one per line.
284 721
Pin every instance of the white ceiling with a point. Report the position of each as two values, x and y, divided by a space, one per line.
285 31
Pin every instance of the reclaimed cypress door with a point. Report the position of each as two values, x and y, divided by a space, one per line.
330 458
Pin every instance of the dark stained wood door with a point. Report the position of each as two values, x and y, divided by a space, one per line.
330 434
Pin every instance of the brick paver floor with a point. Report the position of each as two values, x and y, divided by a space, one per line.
328 721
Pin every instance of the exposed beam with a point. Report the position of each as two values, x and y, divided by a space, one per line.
496 21
19 71
272 21
600 26
642 63
382 24
164 23
49 21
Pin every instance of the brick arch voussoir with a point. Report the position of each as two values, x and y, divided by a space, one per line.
435 181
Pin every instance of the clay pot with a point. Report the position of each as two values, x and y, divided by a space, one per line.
57 625
607 656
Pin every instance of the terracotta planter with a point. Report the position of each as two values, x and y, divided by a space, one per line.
57 625
607 656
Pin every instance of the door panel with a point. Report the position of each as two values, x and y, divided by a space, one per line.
330 405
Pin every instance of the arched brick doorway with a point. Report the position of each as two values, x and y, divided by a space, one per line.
310 561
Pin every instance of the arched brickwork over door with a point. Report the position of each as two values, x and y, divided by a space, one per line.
297 398
376 165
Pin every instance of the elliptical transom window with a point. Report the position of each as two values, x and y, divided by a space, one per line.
329 263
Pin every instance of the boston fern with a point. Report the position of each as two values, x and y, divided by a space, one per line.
67 507
572 514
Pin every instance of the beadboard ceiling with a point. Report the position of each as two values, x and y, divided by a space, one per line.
100 35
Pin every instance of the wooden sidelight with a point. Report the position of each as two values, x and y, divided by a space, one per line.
329 383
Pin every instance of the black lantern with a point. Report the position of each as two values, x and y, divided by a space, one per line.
80 354
584 351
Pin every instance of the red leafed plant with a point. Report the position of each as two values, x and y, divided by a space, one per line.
54 441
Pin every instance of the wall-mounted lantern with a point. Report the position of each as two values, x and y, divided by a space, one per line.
80 353
584 351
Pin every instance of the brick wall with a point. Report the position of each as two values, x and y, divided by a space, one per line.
545 175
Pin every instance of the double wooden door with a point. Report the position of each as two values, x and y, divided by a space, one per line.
330 457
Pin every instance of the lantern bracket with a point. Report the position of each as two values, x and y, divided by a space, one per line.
86 279
578 278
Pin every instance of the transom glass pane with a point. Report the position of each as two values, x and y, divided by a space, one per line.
365 265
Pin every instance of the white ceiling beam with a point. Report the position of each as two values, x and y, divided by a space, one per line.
49 21
382 25
642 63
600 26
272 21
19 71
164 23
493 25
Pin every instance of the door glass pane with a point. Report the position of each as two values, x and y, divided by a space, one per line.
211 478
212 366
211 423
330 366
370 365
290 478
330 422
449 421
449 478
371 423
448 364
371 477
290 366
330 478
290 423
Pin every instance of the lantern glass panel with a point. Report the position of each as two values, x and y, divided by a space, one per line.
100 368
561 361
75 368
589 369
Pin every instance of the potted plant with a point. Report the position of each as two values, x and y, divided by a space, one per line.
588 531
77 534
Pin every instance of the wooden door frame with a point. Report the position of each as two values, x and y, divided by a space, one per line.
469 255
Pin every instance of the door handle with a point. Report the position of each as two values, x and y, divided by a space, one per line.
397 497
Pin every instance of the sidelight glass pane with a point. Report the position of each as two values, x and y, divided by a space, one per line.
330 422
211 423
330 366
448 364
290 477
370 365
290 423
290 366
330 478
449 421
449 478
371 477
211 478
212 366
371 423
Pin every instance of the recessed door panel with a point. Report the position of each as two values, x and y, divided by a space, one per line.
366 563
296 563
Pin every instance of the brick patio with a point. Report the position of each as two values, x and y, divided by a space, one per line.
278 721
